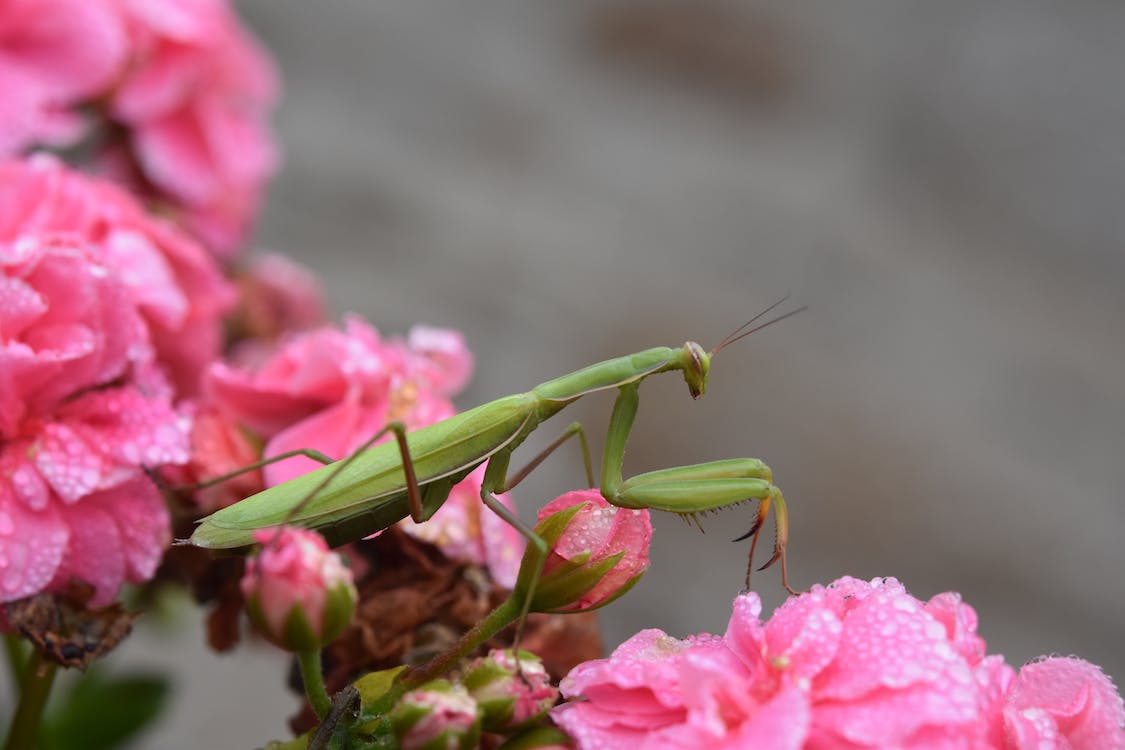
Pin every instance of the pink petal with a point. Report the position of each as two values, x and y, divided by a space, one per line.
888 641
32 544
960 621
131 428
95 554
143 523
803 636
72 467
1077 695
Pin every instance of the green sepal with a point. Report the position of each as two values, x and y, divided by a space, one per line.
562 588
549 529
297 634
339 606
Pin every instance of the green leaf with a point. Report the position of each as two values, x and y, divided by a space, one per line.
103 713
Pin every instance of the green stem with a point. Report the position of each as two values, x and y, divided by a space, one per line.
37 678
17 658
313 677
500 618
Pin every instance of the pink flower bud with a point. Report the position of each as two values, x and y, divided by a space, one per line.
438 716
299 594
507 700
598 551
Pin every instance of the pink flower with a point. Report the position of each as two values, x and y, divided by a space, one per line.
1063 702
299 594
852 665
597 552
279 296
196 98
178 288
54 54
82 408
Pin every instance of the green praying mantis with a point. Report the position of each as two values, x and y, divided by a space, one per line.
376 487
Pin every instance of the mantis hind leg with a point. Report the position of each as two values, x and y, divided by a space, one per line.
212 481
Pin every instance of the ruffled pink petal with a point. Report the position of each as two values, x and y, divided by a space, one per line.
803 636
143 523
95 554
960 621
888 641
745 635
265 408
639 681
445 362
131 428
53 53
32 545
73 467
1080 699
782 723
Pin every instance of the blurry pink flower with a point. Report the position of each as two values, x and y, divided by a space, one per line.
196 98
178 288
445 363
299 594
466 530
218 447
54 55
848 666
279 296
1061 702
82 408
597 552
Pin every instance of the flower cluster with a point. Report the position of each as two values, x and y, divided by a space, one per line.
173 99
847 666
108 316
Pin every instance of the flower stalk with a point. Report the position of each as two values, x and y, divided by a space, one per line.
312 676
38 676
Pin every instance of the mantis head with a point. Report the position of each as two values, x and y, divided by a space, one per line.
697 368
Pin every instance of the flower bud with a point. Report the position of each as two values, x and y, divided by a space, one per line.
437 716
597 552
508 700
299 594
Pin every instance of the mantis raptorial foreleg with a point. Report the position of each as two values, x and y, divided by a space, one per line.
697 488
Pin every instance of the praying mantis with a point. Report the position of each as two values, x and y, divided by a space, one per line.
376 487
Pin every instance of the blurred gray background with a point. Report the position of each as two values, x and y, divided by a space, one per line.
942 184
